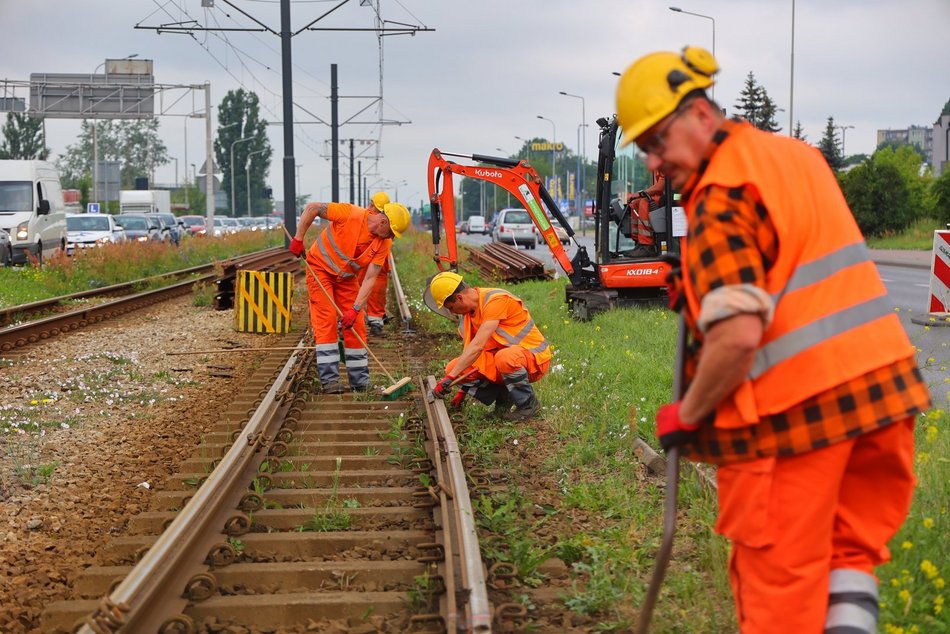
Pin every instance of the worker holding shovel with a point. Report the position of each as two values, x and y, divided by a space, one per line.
504 351
355 239
801 383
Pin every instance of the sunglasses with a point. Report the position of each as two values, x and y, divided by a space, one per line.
657 141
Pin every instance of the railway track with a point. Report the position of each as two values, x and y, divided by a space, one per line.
300 512
34 329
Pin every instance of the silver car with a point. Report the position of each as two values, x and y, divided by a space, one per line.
6 249
85 231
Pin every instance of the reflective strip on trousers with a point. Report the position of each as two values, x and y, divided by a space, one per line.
809 335
328 362
357 367
519 387
483 390
375 321
852 603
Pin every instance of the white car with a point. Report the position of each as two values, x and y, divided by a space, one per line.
514 226
84 231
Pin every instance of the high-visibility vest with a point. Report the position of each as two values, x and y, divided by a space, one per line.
335 249
518 330
833 321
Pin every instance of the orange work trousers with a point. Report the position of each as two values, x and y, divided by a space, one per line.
324 320
792 520
376 302
492 365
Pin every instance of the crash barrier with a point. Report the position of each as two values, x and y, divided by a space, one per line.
262 302
502 262
939 296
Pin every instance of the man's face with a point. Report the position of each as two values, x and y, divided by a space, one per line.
458 304
672 145
378 225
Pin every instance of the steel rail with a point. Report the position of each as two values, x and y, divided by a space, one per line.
454 491
401 301
151 593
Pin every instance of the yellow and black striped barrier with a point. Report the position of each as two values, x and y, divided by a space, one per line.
263 302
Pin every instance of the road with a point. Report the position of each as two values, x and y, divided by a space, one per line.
907 288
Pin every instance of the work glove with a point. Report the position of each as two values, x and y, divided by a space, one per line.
442 388
674 282
458 398
349 317
296 247
670 428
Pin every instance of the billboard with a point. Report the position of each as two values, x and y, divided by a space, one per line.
83 96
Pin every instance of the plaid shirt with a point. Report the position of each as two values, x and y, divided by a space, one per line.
732 241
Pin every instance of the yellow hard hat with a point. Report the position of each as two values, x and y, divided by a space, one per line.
398 217
380 200
653 86
443 286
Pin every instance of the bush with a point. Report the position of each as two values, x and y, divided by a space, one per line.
940 195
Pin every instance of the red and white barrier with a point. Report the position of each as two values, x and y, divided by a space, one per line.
940 277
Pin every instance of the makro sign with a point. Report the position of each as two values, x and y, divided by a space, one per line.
547 147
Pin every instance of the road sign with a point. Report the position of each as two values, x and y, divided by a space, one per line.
92 208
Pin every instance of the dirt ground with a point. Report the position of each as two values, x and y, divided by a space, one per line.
117 417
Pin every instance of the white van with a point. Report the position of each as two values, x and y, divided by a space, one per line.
32 209
476 224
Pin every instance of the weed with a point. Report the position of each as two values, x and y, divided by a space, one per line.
326 520
236 544
422 593
371 451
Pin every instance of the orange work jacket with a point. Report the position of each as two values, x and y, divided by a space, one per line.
833 321
345 247
515 329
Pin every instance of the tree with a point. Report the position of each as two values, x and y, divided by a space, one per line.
946 108
907 161
239 118
879 198
830 146
23 138
799 132
940 195
756 106
134 143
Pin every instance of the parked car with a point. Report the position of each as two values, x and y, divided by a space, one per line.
6 249
514 226
561 233
140 227
164 230
232 225
85 231
461 227
194 225
248 223
476 224
175 226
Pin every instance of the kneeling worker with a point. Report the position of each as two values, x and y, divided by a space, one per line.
504 352
355 239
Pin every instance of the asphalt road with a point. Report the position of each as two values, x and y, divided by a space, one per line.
906 286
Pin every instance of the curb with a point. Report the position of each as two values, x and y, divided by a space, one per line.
909 265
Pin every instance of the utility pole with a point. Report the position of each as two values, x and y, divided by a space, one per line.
290 192
334 137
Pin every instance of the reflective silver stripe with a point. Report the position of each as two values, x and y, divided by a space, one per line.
800 339
329 260
513 339
824 267
356 358
342 255
541 348
494 291
849 615
848 580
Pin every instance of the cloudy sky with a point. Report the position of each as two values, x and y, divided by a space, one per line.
490 67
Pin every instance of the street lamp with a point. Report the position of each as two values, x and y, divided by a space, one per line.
233 199
843 128
95 141
581 167
553 151
710 18
526 146
247 178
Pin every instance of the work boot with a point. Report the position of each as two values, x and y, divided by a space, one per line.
526 411
376 330
333 387
359 388
502 404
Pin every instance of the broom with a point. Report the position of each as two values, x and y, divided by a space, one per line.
398 388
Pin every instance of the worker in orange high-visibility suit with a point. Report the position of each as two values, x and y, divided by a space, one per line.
641 229
801 382
376 302
503 353
355 239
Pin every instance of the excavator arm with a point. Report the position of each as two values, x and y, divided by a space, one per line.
516 177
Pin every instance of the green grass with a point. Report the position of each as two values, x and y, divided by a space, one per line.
96 268
919 236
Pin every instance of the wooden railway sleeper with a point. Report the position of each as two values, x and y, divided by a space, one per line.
433 624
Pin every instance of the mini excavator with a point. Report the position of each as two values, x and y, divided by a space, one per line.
617 276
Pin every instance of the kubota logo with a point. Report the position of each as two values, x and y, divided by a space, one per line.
488 173
639 272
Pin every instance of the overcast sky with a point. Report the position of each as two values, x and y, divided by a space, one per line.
490 67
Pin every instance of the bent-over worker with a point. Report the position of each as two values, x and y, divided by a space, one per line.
355 239
376 302
504 351
801 382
